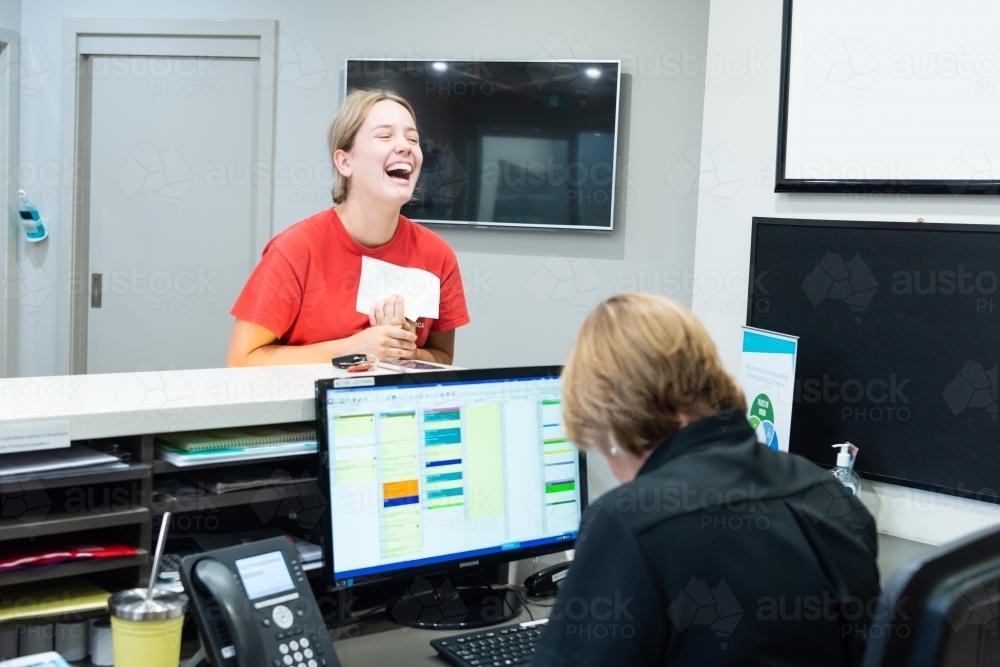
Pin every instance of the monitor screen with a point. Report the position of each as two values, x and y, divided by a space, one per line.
524 144
428 474
897 327
265 575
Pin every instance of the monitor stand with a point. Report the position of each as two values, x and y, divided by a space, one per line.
440 605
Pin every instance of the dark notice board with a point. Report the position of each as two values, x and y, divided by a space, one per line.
899 328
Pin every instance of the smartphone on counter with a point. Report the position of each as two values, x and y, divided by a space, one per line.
413 365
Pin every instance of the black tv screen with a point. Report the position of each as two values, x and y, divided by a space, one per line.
898 329
522 144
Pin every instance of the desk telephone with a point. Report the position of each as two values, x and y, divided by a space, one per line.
254 608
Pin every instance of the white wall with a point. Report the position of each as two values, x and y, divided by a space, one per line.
740 133
10 15
518 317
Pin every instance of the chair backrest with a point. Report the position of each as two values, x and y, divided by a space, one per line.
942 610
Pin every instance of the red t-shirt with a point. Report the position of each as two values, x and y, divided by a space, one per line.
305 288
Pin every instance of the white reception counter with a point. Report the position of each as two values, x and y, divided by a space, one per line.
120 404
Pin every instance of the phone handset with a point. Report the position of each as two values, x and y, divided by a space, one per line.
219 582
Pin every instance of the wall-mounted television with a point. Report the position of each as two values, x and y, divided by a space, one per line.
508 143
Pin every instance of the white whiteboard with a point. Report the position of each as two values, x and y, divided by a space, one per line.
891 94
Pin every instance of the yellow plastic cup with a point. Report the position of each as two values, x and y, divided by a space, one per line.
147 633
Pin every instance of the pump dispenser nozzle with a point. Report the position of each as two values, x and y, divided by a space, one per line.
848 452
844 457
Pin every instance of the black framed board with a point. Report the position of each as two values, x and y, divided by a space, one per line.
899 340
896 96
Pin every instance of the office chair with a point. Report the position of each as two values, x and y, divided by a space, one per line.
942 611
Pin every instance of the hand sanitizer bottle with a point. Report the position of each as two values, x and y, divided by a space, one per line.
31 219
844 472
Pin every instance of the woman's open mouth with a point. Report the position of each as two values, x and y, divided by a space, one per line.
399 172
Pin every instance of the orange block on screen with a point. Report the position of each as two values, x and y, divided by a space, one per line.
404 489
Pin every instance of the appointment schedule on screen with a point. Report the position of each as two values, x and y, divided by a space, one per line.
429 474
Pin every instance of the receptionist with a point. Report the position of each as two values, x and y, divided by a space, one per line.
714 544
300 304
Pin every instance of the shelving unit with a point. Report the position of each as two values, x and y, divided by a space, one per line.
49 521
77 507
128 409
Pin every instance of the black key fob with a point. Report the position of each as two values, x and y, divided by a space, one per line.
349 360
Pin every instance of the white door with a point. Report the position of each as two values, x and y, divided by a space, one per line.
172 208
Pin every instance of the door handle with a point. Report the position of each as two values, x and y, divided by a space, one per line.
95 290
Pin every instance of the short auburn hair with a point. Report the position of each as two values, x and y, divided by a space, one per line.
344 128
640 363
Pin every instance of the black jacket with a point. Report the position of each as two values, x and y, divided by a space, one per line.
720 552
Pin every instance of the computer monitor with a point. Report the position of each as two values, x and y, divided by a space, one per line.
441 471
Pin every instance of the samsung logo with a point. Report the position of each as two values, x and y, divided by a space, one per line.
469 563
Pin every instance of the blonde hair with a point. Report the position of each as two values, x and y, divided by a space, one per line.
640 364
344 128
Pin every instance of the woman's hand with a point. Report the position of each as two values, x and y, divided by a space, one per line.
390 311
387 342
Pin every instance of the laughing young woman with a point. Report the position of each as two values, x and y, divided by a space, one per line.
299 304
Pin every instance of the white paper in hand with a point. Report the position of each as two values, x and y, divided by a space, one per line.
421 290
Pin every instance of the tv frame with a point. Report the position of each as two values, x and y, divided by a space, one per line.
888 186
521 225
430 378
875 224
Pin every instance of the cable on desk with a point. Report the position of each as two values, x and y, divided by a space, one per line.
526 601
359 617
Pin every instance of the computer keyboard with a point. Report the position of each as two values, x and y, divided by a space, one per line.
493 647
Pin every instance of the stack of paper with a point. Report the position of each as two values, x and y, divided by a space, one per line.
310 554
184 459
47 460
200 447
76 595
227 480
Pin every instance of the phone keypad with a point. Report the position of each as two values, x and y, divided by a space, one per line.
299 652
